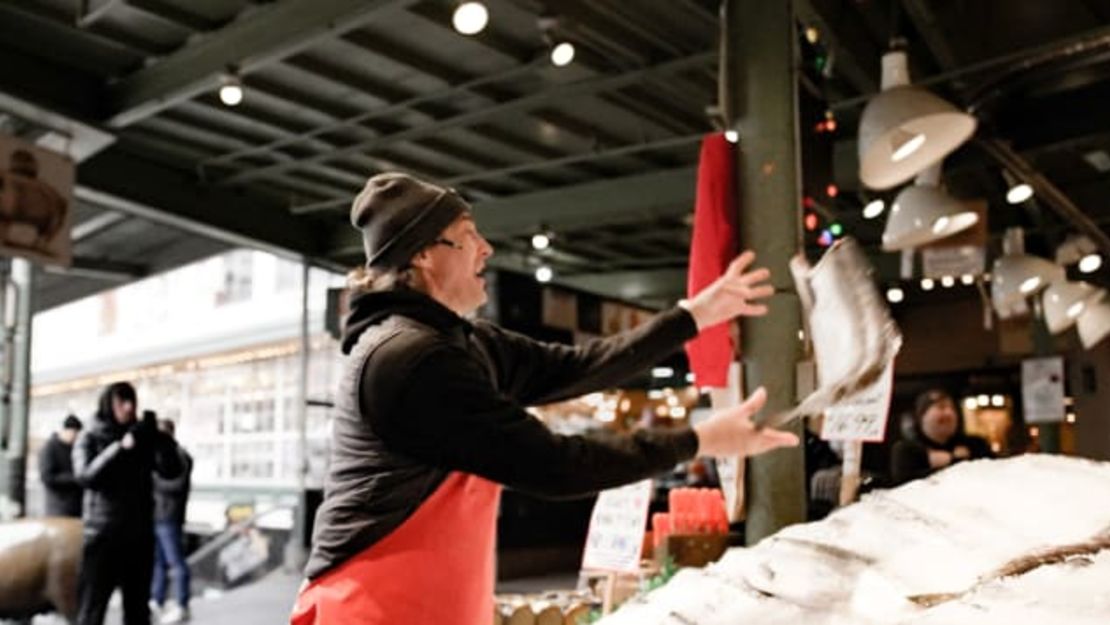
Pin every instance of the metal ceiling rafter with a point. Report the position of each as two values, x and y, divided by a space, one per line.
441 18
545 164
628 199
271 33
580 88
175 15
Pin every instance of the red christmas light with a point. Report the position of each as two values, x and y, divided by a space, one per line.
811 221
832 190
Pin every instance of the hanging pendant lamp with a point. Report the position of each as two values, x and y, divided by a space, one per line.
904 129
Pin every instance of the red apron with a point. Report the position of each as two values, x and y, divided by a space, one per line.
437 568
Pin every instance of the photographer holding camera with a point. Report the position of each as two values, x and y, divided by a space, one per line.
115 461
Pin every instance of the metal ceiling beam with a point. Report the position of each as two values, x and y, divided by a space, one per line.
523 167
100 269
856 58
94 225
541 98
622 200
1047 192
135 186
270 33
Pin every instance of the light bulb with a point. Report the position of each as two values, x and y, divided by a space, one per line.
1019 193
541 241
544 274
970 403
562 54
231 92
1090 263
941 224
732 136
947 282
470 18
895 295
927 284
662 372
873 209
1030 284
906 144
967 279
998 401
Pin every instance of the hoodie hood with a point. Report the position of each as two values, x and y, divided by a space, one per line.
104 413
370 309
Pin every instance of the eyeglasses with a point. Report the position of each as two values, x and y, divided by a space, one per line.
448 242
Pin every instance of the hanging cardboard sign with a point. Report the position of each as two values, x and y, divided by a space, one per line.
617 528
36 202
861 417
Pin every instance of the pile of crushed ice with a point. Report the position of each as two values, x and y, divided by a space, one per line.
958 547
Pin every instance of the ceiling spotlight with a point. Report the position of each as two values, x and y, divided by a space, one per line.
1065 301
1017 276
904 129
1019 193
967 279
927 284
541 241
895 295
1090 263
732 136
231 89
562 54
470 18
948 282
873 209
544 274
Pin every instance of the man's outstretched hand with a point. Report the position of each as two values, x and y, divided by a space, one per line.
736 293
731 432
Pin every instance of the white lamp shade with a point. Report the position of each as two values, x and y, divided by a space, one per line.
1094 324
1015 277
899 118
922 214
1065 301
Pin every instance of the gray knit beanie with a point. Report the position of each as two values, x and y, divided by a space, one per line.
399 215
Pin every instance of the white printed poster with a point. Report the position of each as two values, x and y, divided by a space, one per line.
617 528
1042 389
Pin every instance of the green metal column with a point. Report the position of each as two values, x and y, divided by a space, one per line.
16 376
759 94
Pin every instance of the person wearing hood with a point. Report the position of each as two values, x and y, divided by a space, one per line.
63 493
939 440
115 460
430 419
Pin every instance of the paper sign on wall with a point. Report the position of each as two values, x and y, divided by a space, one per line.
1042 389
861 417
617 528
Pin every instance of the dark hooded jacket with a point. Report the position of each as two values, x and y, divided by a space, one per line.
63 493
425 392
909 459
118 482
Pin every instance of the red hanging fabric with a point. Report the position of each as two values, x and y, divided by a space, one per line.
713 247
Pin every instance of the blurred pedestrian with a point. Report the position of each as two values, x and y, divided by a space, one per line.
115 461
171 495
63 493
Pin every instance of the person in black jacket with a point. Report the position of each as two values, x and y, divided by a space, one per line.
430 416
939 440
63 493
171 496
115 460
